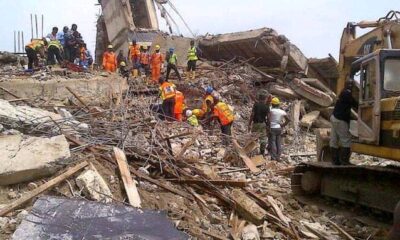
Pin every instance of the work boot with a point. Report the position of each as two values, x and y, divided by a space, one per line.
193 75
345 154
335 156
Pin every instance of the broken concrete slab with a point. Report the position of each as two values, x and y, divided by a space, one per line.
26 158
308 119
61 218
324 69
94 186
25 117
311 93
265 45
247 208
282 91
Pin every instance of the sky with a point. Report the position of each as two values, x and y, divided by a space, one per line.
314 26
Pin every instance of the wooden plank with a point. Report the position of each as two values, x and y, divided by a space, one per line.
186 146
247 207
160 184
342 232
278 211
231 183
42 188
244 157
129 184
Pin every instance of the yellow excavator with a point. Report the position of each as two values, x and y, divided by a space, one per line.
372 60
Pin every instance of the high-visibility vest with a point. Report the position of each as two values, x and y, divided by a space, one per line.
55 43
144 58
204 107
167 90
192 54
224 113
173 59
35 44
157 58
192 120
134 51
179 102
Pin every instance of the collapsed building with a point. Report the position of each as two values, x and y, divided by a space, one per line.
99 155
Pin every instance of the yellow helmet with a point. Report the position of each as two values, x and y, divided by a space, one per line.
275 101
110 46
144 47
122 64
158 47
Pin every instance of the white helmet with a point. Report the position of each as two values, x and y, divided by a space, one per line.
188 113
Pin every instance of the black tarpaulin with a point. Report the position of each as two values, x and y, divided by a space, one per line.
62 218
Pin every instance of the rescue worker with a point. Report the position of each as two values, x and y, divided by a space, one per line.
167 94
54 48
123 70
172 62
224 115
179 106
276 115
157 60
134 55
205 110
144 60
109 60
192 58
191 118
35 47
340 121
121 57
258 122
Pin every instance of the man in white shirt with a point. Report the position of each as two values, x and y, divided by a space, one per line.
276 116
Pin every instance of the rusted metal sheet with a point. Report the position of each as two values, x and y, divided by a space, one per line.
265 45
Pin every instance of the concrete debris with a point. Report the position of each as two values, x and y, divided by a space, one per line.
25 118
94 186
250 232
26 158
311 93
308 119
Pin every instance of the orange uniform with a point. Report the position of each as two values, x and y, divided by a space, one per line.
156 61
179 105
134 52
110 61
223 113
144 58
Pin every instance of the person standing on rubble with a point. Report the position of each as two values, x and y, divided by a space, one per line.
179 106
73 43
144 60
109 60
121 57
167 94
276 115
54 48
53 35
258 122
32 49
157 60
172 60
192 58
134 55
340 131
224 115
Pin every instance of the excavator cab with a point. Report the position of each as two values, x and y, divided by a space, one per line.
378 120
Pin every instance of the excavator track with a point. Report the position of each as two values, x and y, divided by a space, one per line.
371 186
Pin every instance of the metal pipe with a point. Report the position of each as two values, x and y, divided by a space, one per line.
389 39
15 42
37 32
19 41
23 41
42 24
31 25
